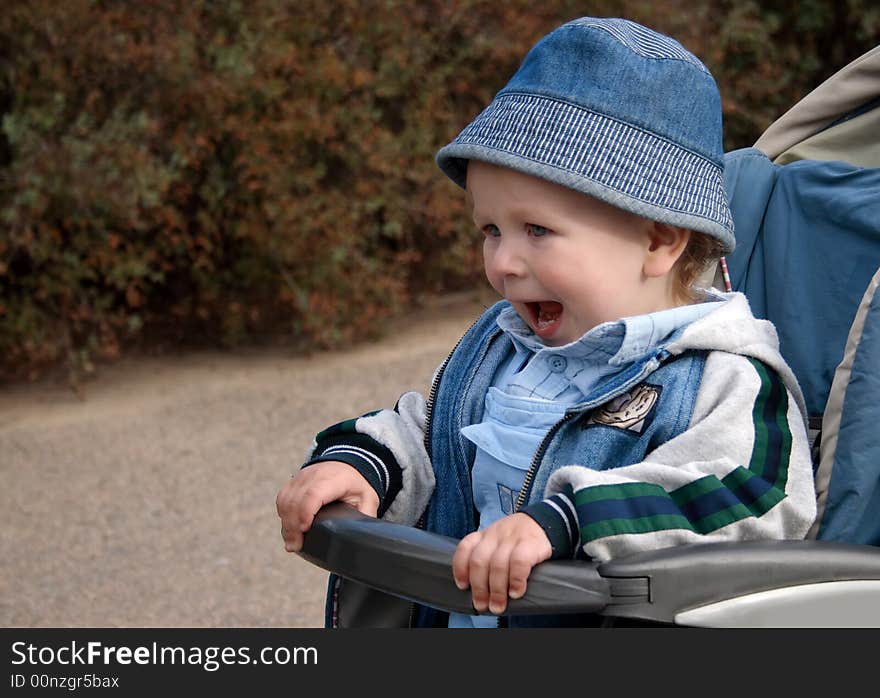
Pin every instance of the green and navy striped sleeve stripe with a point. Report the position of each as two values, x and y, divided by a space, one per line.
709 503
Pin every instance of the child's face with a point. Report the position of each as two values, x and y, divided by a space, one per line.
566 261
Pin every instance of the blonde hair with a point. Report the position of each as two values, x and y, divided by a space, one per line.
701 251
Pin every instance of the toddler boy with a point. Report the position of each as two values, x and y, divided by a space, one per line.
606 405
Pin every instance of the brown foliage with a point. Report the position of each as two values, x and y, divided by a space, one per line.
218 172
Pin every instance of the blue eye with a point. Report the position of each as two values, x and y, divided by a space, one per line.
537 231
491 231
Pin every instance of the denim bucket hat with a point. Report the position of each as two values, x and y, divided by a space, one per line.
614 110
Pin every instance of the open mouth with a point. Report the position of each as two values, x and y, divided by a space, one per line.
546 317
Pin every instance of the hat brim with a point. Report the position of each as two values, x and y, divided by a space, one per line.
621 164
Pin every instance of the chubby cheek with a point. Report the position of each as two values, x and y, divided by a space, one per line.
604 297
589 297
492 276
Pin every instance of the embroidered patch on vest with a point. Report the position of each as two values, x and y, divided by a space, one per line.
629 411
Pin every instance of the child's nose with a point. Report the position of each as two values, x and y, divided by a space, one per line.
507 259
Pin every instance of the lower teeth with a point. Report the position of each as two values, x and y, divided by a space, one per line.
547 313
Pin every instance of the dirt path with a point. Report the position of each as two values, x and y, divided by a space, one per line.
152 502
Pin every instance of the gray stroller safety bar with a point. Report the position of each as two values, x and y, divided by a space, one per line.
755 583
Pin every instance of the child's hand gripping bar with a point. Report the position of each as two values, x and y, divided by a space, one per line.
417 565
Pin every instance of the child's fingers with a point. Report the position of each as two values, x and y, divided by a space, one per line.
287 505
298 502
497 561
474 554
308 505
499 577
301 497
522 561
461 559
479 578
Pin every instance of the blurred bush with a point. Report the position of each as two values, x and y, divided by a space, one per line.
222 172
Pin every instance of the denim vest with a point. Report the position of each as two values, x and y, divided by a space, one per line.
581 437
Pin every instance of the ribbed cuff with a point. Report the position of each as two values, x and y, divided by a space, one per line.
370 458
556 515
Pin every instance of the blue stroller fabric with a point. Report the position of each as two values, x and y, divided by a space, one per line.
849 464
808 244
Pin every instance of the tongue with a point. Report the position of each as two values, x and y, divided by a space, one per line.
548 312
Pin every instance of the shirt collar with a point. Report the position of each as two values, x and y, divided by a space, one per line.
644 333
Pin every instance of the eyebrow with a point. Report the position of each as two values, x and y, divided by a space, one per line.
522 212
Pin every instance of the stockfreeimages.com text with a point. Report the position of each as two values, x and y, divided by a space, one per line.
209 658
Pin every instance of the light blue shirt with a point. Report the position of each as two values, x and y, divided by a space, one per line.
532 391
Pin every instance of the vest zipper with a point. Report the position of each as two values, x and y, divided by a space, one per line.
533 468
429 413
435 384
539 454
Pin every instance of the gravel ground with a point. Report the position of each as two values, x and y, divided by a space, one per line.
151 502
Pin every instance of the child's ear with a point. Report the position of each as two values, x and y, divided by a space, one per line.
665 245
